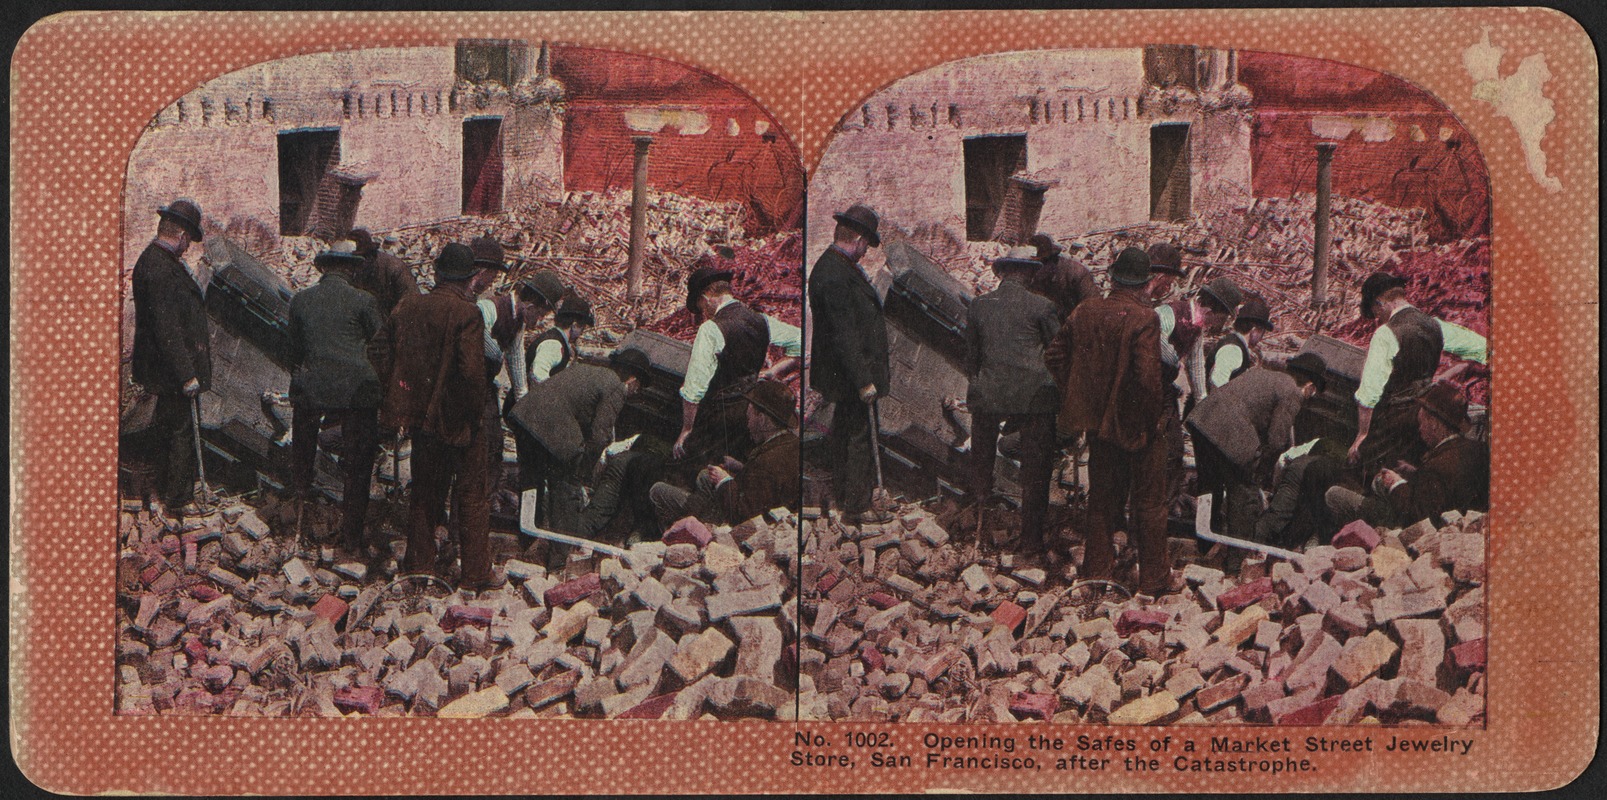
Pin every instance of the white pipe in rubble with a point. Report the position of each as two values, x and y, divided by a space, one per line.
527 524
1202 529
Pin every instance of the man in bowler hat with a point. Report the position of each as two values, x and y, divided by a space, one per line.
432 353
172 355
849 360
733 493
1452 475
1111 346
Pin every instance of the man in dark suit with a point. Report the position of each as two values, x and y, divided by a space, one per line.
1241 428
767 479
172 355
432 350
566 422
849 360
1453 475
331 325
1006 333
1113 392
381 274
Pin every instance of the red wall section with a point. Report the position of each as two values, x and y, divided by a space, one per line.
763 171
1429 162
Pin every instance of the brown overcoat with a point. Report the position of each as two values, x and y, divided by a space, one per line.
1112 386
432 351
769 479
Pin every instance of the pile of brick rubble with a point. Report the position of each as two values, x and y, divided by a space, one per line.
230 616
905 622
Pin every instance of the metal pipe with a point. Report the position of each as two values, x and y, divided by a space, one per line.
527 525
1319 263
633 273
1202 529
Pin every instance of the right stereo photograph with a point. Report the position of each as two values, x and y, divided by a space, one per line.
1146 386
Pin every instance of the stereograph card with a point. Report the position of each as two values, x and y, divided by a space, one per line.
808 402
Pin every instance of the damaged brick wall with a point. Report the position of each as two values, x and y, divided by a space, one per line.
711 139
1398 145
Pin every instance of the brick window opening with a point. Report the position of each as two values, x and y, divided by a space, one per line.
1169 162
305 160
482 166
990 161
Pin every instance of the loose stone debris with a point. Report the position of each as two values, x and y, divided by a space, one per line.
1383 626
230 616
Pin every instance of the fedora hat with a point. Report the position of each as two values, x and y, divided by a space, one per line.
1447 403
1045 245
545 283
700 280
341 253
633 361
1131 267
1255 311
1224 291
1313 367
1375 285
862 219
1165 257
1025 258
775 400
185 212
455 263
574 308
488 253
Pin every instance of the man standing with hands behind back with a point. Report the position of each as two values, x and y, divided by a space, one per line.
849 358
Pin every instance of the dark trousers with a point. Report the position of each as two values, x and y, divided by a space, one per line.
559 504
1117 477
1392 437
625 485
1173 436
1298 509
848 448
440 468
172 433
1232 489
359 445
721 429
492 422
1036 448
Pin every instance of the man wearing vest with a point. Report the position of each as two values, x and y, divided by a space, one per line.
1114 394
433 354
1238 351
1166 269
728 355
849 358
1006 333
172 355
1401 359
555 347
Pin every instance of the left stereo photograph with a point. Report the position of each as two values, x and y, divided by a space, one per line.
461 381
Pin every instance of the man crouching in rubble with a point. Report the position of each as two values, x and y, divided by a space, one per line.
1242 427
566 423
432 350
1109 351
733 493
1006 333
